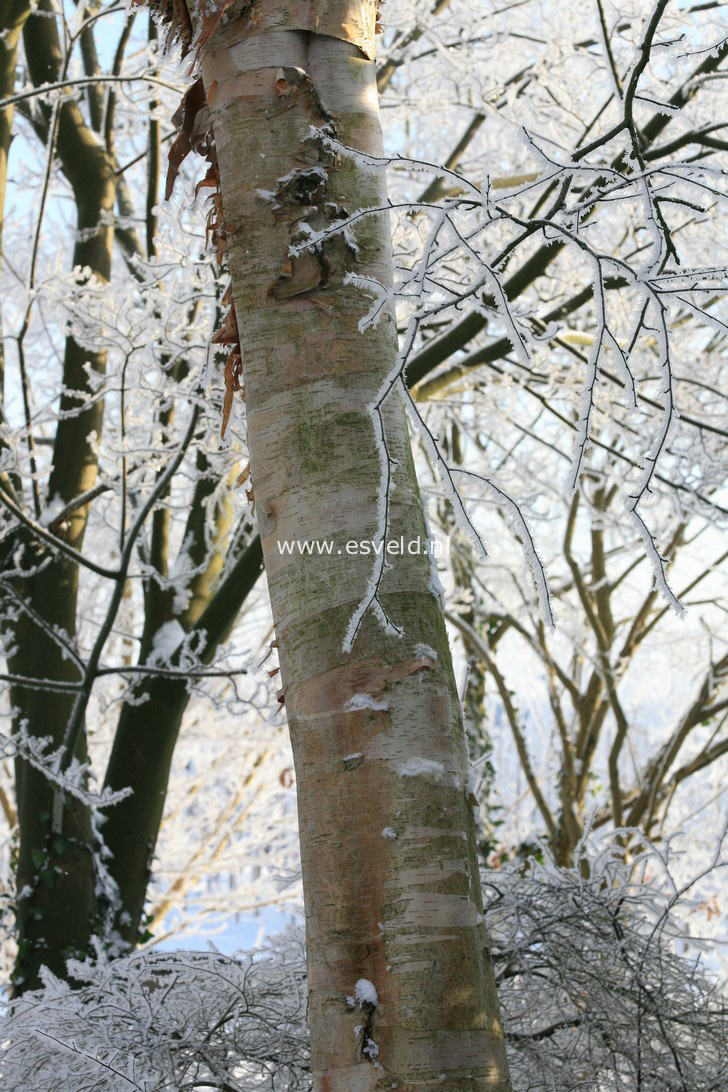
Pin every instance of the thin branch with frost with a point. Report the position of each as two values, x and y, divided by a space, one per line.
53 91
627 177
392 382
520 528
36 751
366 160
53 540
371 599
52 632
642 487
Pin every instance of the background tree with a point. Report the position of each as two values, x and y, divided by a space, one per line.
494 407
43 563
620 749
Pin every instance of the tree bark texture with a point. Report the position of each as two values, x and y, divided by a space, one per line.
387 836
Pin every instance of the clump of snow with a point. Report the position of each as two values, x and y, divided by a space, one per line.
184 570
351 242
165 643
296 172
365 701
351 757
371 1049
182 596
424 652
417 767
389 832
54 507
365 992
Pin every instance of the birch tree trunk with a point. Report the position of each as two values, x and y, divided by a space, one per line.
401 990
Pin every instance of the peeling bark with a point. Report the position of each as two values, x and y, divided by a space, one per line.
387 837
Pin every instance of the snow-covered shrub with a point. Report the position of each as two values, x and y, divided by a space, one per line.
594 992
163 1022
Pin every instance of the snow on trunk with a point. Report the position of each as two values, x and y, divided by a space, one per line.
402 915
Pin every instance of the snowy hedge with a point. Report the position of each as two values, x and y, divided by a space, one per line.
593 991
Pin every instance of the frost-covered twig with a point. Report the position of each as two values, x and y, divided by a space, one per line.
36 750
